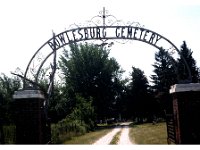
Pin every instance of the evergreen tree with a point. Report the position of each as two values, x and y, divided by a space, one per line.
138 94
182 69
165 71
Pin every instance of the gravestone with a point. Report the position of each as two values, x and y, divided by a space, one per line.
32 126
184 124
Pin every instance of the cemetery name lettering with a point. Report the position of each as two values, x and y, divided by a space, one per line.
104 32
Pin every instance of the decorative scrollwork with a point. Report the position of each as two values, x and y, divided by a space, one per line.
105 19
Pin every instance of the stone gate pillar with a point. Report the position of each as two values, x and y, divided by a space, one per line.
32 126
186 113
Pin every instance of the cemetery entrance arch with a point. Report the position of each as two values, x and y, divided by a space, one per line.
100 29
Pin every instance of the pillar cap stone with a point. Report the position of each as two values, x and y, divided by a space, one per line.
184 87
26 94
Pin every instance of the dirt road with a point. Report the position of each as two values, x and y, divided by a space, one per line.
124 137
105 140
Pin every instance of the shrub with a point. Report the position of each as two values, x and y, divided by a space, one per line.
80 121
66 129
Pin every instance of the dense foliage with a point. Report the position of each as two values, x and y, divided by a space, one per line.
168 71
8 85
88 71
91 90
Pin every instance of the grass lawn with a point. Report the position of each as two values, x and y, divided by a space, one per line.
89 138
149 133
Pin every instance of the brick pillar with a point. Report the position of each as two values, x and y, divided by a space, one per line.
31 122
186 113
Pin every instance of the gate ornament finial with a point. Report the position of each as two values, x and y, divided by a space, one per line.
104 16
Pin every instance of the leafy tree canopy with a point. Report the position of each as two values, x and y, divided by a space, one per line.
89 71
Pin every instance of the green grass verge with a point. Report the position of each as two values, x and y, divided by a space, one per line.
116 137
149 133
88 138
9 134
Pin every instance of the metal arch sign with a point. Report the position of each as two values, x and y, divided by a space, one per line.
104 32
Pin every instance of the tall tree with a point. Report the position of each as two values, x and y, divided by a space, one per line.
165 71
182 70
88 71
138 89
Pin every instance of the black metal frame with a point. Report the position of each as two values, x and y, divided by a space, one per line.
113 23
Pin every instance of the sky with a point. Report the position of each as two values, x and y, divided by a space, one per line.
26 25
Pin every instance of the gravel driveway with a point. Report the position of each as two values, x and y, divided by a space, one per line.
105 140
123 140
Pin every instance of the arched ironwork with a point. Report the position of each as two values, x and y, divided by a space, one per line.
101 28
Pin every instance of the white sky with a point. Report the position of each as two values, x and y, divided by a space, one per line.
27 24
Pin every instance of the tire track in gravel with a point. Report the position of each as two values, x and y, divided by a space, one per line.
124 138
